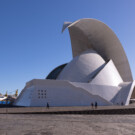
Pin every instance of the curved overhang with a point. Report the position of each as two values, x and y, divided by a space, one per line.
93 34
55 72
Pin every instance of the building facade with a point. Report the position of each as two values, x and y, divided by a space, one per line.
99 71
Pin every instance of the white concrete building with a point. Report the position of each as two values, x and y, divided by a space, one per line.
99 71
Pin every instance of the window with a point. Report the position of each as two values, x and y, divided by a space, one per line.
42 93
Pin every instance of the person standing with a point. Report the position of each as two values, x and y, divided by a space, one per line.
47 105
96 105
92 105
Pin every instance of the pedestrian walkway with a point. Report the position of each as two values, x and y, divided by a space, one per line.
70 110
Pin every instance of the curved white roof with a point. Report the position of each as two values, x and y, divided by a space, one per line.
83 67
92 34
108 75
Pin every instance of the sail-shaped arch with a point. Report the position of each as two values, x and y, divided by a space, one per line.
93 34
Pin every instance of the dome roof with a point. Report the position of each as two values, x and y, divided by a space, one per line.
82 68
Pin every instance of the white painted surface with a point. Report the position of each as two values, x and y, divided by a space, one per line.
25 98
59 93
108 76
82 67
125 93
104 91
93 34
65 93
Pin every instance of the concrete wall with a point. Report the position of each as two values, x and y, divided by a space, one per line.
59 93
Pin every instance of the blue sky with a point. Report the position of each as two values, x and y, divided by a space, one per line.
31 42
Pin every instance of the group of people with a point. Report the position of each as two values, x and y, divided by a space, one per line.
120 104
94 105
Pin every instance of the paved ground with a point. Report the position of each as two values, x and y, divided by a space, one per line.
41 124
